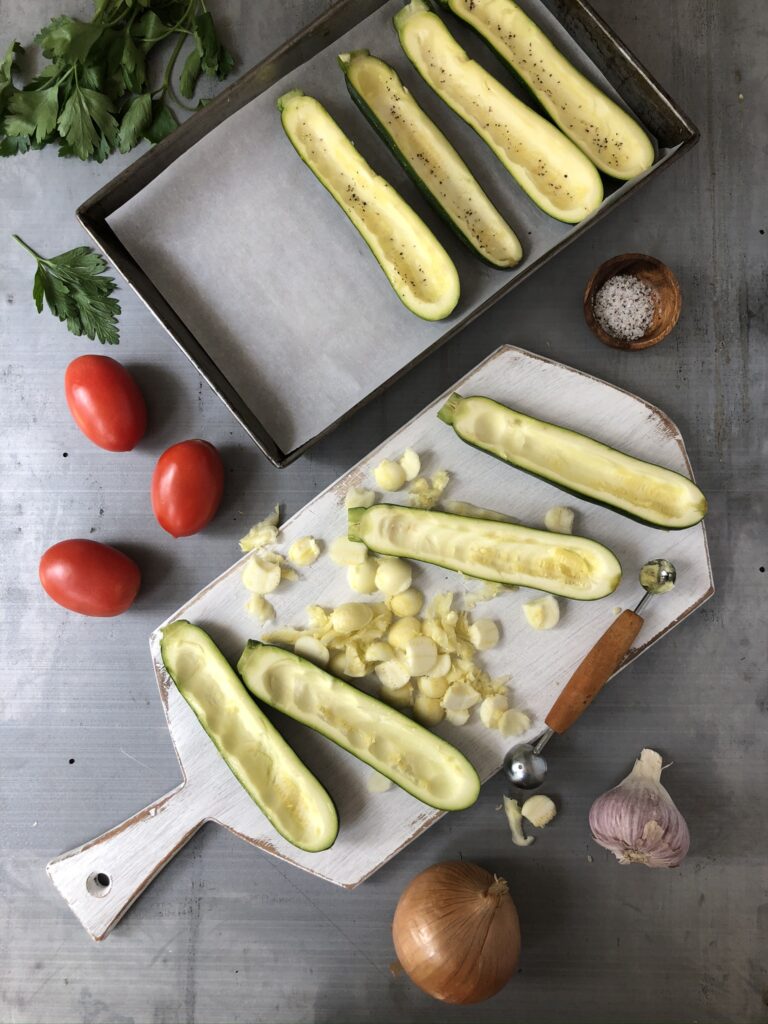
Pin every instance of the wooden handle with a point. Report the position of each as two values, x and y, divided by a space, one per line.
594 671
101 879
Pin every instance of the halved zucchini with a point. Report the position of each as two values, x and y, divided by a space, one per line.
417 266
429 158
547 165
500 552
260 759
611 139
577 463
423 764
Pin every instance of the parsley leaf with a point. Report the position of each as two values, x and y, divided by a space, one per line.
86 121
96 94
190 74
12 146
7 67
68 39
215 60
163 123
77 290
136 120
33 113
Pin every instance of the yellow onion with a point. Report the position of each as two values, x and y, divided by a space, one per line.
456 932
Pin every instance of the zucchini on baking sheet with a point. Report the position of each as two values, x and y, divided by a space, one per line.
577 463
414 758
429 158
506 553
609 136
261 760
551 169
416 264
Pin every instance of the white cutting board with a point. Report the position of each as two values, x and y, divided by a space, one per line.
374 827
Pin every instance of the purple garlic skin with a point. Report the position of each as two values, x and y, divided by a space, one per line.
638 820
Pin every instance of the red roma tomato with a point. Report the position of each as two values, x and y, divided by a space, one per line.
105 402
187 486
89 578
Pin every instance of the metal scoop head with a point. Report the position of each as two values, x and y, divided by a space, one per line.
658 576
524 765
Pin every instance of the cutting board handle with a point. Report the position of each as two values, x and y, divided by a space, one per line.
102 878
594 671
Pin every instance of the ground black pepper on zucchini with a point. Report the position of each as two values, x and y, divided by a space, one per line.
550 168
417 266
429 158
608 135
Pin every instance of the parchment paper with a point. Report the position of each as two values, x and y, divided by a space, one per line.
270 276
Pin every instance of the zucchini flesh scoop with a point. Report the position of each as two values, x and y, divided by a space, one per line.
429 158
417 266
411 756
577 463
260 759
554 172
611 139
500 552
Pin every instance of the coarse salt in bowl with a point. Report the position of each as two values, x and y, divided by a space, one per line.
632 301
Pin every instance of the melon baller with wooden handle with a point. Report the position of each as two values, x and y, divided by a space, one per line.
524 765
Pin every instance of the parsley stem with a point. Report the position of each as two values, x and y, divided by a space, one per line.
23 244
172 61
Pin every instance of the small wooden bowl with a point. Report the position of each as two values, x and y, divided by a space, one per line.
666 289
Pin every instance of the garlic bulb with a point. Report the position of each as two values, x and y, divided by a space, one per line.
638 821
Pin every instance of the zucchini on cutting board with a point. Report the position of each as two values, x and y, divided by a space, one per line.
504 553
411 756
609 136
261 760
429 158
577 463
417 266
553 171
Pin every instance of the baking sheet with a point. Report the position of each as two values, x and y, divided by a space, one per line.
268 274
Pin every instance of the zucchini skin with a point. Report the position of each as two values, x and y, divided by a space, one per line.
561 487
424 7
356 514
440 315
415 177
531 92
255 645
183 623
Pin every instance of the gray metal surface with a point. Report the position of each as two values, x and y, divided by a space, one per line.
225 934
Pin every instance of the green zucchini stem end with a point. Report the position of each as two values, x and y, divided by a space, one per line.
354 515
448 411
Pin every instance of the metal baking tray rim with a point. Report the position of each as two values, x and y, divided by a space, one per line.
92 214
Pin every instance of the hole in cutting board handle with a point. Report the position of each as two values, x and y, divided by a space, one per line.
98 884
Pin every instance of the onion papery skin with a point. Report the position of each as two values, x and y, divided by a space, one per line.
456 932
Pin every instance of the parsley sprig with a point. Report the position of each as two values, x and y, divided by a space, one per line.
95 95
77 291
